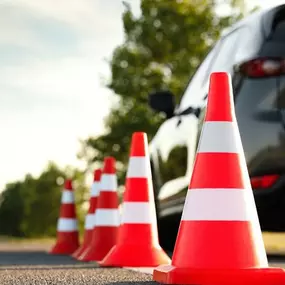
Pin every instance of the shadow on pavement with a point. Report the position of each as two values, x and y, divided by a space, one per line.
23 259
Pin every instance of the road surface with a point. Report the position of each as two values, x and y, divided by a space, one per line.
29 264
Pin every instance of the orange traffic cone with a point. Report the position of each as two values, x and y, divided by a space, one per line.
137 244
219 241
90 217
107 219
67 228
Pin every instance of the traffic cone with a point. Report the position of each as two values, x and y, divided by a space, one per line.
90 217
138 244
107 218
67 227
219 241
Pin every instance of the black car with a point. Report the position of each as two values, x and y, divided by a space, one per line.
253 52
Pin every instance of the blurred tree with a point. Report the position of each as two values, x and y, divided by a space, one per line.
42 200
162 49
30 208
12 210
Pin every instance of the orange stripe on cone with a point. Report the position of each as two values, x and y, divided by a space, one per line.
89 219
107 218
219 241
67 228
137 244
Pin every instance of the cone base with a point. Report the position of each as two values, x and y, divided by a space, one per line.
129 255
86 241
104 238
66 244
84 254
168 274
93 254
78 252
64 248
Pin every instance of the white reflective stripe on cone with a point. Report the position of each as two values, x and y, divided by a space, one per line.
108 183
95 189
67 197
67 225
219 205
220 137
138 213
139 166
121 213
89 222
107 217
93 220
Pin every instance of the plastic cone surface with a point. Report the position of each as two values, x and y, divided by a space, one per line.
67 228
219 241
107 219
137 244
89 219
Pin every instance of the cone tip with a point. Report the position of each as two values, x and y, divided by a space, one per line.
139 144
97 174
220 105
68 184
220 75
109 165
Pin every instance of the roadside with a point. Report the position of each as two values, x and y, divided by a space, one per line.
274 243
24 244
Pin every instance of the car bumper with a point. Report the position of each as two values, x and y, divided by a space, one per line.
270 204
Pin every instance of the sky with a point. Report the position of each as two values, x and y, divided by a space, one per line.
52 60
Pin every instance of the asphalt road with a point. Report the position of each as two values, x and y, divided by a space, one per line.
31 265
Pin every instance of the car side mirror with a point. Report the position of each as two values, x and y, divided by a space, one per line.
162 101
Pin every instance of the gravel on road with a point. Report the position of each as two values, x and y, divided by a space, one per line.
77 275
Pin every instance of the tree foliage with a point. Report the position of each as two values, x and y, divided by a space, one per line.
161 50
30 208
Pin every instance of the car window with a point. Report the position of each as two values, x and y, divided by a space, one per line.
220 58
232 50
225 58
250 40
192 94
